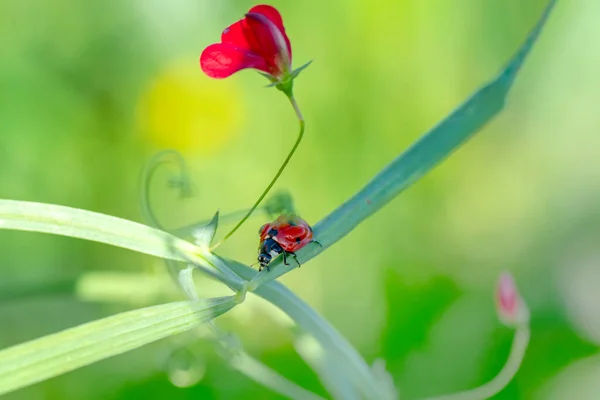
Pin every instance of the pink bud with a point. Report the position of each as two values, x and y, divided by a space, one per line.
510 306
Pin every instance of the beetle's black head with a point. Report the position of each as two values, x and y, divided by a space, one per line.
264 259
268 249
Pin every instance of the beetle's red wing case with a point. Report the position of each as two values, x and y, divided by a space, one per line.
292 238
262 232
293 233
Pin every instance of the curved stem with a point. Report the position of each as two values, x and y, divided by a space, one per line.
183 182
285 163
493 387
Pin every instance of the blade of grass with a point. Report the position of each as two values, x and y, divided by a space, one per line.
82 224
56 354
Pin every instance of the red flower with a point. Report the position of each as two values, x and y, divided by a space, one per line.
258 41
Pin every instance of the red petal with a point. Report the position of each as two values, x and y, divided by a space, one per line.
271 13
221 60
234 34
275 17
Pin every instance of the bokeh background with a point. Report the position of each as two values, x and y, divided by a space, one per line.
89 91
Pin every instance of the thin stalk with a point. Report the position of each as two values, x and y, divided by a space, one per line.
493 387
285 163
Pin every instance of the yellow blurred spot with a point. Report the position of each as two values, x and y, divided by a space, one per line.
183 109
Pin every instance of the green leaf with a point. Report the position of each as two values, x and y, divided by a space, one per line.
429 150
186 281
56 354
82 224
420 158
297 71
280 203
205 234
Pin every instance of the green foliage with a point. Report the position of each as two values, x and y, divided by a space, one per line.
74 348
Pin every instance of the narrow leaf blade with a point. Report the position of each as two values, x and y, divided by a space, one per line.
82 224
205 234
56 354
430 149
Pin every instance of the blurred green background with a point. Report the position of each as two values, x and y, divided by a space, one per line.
89 91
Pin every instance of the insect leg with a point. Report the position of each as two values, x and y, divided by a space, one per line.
296 259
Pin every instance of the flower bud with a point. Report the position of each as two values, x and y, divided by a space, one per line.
511 307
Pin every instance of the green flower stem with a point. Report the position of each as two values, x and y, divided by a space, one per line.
410 166
285 163
493 387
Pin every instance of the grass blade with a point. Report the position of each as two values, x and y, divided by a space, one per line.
431 148
82 224
56 354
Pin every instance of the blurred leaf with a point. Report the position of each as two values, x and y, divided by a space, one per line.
39 286
327 367
56 354
186 282
412 312
280 203
386 380
205 234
